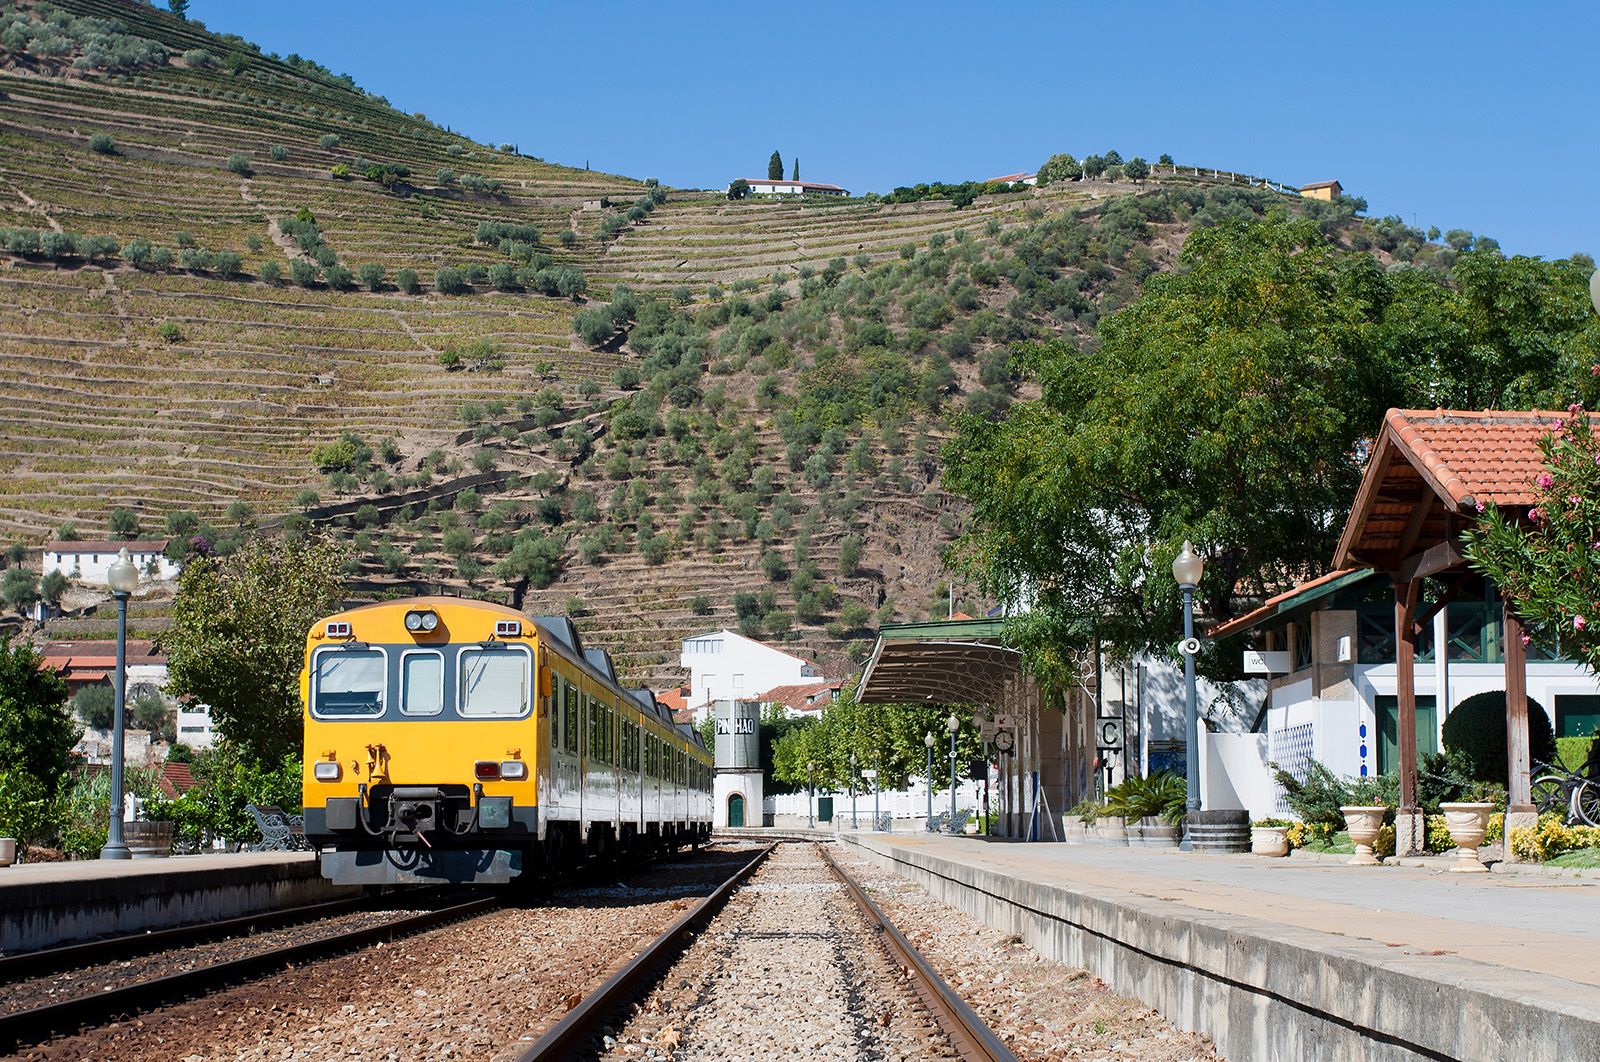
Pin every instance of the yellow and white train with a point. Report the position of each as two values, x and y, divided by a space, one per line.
449 740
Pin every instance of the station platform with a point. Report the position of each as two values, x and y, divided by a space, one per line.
44 905
1279 958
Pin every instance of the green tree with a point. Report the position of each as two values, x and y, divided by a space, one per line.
1223 406
179 8
96 705
36 733
124 523
739 189
1061 167
1136 169
237 639
19 587
775 167
52 586
795 176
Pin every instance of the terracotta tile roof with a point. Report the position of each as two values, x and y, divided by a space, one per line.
801 697
801 184
1274 604
176 780
1320 184
1008 178
1448 462
683 715
675 699
75 656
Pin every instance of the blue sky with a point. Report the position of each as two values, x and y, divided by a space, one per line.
1464 115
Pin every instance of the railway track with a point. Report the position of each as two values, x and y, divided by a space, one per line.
578 1033
37 1023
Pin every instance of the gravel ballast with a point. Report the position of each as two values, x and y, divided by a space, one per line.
789 969
464 990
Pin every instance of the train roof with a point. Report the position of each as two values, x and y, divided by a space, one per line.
434 601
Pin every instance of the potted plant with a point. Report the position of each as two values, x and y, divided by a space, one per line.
1153 807
1270 837
1364 821
1467 821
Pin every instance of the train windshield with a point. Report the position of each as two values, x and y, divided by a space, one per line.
349 682
494 682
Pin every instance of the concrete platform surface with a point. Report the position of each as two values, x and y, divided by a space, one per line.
1537 925
94 869
1278 958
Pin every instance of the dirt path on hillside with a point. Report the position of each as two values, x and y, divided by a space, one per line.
278 238
33 204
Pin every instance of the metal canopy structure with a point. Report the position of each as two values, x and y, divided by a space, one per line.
950 662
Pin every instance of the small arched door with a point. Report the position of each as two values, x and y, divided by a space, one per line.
735 810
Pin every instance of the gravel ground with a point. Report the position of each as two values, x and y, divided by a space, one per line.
464 990
1043 1010
788 969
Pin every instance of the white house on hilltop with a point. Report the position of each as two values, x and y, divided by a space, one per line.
86 563
726 666
768 186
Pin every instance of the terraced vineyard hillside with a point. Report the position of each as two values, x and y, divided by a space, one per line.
235 289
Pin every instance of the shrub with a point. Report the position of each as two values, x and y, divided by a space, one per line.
170 332
239 164
1574 752
199 59
406 281
1476 729
329 141
302 272
371 274
278 152
227 263
450 281
340 172
1162 795
568 238
103 144
700 605
1552 837
338 276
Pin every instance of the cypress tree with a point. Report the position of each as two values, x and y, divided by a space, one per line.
775 167
796 176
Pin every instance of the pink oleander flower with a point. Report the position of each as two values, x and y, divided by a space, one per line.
1526 637
1575 408
1579 623
1594 370
1545 481
1480 507
1536 515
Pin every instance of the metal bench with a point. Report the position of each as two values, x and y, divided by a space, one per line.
279 832
958 822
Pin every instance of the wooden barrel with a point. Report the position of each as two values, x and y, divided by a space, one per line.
1220 831
148 840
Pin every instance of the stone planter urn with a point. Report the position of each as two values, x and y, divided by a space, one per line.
8 851
1467 823
1110 829
1363 822
1153 833
1269 840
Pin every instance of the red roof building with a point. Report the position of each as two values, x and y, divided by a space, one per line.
801 698
84 663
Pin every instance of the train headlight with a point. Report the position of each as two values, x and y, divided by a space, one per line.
327 771
422 622
513 770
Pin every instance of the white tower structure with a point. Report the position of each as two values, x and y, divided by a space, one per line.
738 787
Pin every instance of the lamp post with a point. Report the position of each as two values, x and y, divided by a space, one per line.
954 726
123 578
853 822
927 739
811 794
1187 570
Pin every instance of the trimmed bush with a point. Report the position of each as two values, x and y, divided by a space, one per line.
371 274
239 164
270 272
278 152
101 143
450 281
302 272
329 141
1476 729
406 281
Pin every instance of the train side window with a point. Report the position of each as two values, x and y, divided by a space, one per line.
494 682
421 682
569 714
348 683
592 717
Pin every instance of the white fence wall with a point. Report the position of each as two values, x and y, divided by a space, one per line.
903 805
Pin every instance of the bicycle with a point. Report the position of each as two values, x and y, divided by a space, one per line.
1572 793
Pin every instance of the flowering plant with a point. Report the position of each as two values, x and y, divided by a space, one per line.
1548 566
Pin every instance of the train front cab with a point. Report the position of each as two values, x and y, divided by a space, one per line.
422 738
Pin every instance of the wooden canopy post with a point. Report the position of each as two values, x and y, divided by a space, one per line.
1519 798
1408 820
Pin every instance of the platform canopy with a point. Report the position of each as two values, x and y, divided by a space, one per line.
960 661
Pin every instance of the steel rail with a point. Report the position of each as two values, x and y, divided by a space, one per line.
971 1037
569 1036
36 1024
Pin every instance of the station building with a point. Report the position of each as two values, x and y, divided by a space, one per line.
87 563
725 665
